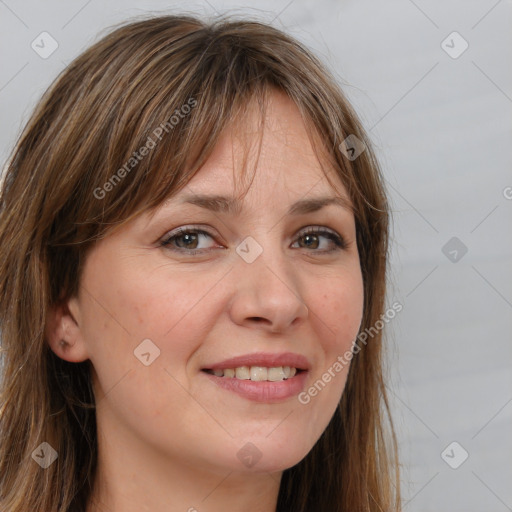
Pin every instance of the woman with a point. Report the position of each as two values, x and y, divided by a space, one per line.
171 340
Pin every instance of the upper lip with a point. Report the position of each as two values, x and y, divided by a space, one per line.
265 359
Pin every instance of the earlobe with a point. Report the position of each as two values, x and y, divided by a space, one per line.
63 331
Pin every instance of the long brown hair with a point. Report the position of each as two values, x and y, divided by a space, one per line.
73 176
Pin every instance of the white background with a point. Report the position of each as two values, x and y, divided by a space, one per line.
442 130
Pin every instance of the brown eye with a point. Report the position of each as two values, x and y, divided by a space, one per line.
312 239
185 240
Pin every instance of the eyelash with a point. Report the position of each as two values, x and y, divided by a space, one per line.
337 239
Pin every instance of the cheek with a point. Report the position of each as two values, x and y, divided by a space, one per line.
340 308
134 302
175 310
336 317
125 306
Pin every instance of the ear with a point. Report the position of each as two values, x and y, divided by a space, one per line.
63 331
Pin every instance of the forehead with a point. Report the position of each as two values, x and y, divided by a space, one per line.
273 156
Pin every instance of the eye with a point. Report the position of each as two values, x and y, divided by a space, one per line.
312 236
187 239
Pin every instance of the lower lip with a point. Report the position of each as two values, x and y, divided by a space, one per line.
262 391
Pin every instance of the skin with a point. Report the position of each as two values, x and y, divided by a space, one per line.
168 437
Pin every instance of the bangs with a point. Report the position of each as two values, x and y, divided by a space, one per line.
179 152
159 104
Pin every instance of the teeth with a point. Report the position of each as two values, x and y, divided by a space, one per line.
275 374
244 373
257 373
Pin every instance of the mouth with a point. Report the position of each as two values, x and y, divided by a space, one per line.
256 373
267 378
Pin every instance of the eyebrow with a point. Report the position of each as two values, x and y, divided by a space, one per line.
232 205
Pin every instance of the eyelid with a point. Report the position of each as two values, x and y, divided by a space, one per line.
196 228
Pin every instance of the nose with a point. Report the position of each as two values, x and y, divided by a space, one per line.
268 294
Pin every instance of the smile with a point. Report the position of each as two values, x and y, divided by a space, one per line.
256 373
261 377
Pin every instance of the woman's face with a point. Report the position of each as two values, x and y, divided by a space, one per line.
180 328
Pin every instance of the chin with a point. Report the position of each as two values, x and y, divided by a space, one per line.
264 454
